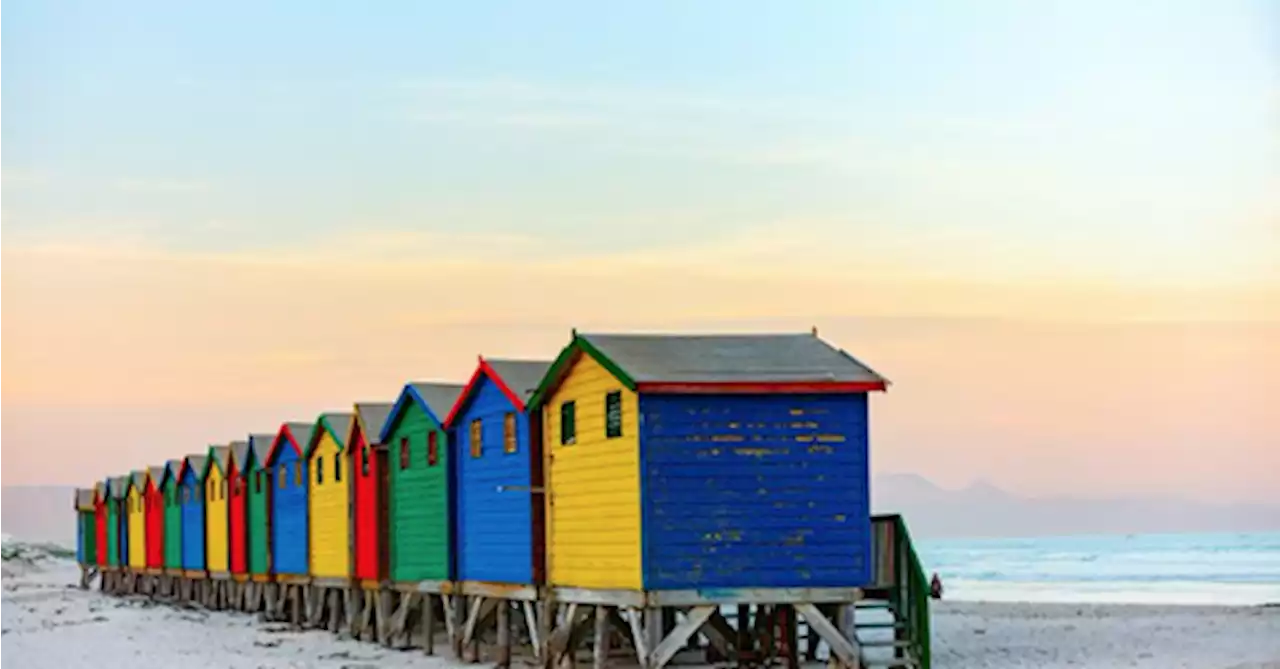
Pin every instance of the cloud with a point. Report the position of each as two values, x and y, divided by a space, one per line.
23 178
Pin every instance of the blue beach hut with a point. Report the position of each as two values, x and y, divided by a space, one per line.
192 499
288 499
499 518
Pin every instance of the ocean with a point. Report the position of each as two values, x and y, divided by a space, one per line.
1235 568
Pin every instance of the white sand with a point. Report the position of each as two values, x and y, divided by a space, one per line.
47 622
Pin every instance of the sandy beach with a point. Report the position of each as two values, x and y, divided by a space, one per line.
47 623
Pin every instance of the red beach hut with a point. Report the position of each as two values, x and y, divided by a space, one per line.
368 490
155 518
237 543
100 522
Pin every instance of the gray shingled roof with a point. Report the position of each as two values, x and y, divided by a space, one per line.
439 397
239 453
765 358
173 468
157 474
220 455
260 447
139 478
84 498
119 485
340 422
521 376
373 415
302 433
196 462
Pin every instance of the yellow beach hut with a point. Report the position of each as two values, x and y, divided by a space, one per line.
215 510
137 508
328 498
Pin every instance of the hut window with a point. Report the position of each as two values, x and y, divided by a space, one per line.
319 471
283 476
509 432
364 461
613 414
477 438
257 481
433 448
225 487
404 452
568 424
297 473
337 467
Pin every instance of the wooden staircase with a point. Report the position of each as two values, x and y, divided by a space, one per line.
892 621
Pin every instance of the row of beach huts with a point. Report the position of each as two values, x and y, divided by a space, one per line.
656 481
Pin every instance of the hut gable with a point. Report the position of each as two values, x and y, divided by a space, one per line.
366 469
216 456
84 499
238 455
517 380
294 436
328 497
288 499
336 424
193 502
257 506
370 417
435 399
216 465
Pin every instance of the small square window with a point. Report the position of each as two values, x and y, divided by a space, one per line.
433 448
568 424
509 432
477 438
613 414
404 452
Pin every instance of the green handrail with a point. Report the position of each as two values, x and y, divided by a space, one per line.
909 590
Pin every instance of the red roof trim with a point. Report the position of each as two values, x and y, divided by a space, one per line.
749 387
482 369
284 433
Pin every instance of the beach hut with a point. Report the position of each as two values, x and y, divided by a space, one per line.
368 470
700 462
117 522
171 493
215 509
499 518
155 518
100 524
258 505
328 498
289 500
237 491
86 527
192 496
137 504
419 519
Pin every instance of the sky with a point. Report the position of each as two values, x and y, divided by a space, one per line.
1054 226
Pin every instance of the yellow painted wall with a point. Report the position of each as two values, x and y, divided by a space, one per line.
330 553
593 528
215 521
137 529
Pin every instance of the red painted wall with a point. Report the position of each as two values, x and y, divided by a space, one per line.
236 547
366 501
155 526
100 528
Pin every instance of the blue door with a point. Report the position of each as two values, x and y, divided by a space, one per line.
289 513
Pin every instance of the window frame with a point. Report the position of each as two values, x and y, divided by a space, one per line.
320 470
404 453
433 448
337 467
476 435
612 397
568 419
510 430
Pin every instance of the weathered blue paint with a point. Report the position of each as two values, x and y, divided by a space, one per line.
191 494
80 536
494 527
288 511
755 491
122 533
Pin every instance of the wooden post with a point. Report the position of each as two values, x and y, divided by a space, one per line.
600 650
428 624
504 634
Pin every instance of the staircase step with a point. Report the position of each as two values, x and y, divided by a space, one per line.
871 604
897 625
884 643
890 663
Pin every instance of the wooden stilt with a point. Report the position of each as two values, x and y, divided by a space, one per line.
428 624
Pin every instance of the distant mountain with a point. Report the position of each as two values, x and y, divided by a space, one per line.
982 509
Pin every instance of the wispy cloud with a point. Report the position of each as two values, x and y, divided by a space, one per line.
160 185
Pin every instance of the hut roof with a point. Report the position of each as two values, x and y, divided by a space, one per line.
260 447
84 498
436 398
196 463
138 479
336 423
172 470
296 433
517 379
120 487
217 455
239 453
370 417
157 475
683 363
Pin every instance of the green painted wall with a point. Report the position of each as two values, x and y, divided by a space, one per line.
172 525
418 501
113 534
89 538
256 512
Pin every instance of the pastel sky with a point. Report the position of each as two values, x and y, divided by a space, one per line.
1054 226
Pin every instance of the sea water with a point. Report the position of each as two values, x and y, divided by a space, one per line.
1236 568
